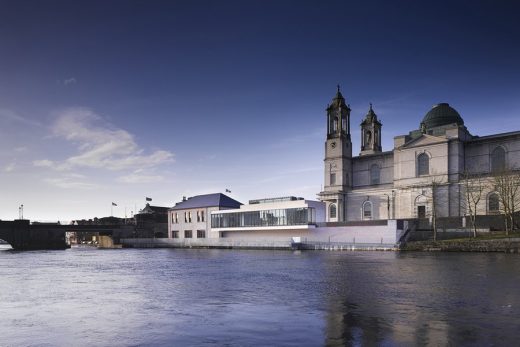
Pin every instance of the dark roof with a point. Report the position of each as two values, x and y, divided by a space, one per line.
441 114
371 117
207 200
154 209
337 101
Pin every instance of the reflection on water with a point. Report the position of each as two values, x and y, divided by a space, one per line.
85 296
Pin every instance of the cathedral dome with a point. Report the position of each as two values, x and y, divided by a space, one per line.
441 114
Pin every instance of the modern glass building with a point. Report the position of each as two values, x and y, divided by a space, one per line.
269 218
265 218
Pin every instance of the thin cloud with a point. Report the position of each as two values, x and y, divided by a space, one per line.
43 163
10 167
70 183
68 81
13 116
141 178
297 140
100 145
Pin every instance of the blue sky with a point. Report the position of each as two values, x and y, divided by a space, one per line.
113 101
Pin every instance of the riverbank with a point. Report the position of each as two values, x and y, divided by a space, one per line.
256 244
503 245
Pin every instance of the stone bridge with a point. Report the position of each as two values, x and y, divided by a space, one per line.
22 235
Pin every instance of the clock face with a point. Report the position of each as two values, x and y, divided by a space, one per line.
333 144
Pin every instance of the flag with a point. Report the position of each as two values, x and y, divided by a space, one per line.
148 199
114 204
228 191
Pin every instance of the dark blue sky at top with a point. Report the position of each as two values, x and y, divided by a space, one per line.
230 65
237 75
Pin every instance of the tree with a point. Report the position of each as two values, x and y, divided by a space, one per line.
436 183
507 186
474 185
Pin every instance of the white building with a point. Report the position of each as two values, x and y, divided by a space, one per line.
398 184
269 219
190 218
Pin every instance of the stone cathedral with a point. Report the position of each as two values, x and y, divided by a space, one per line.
397 184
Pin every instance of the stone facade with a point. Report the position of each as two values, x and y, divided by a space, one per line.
425 165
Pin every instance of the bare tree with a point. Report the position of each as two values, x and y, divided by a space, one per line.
507 186
474 186
436 183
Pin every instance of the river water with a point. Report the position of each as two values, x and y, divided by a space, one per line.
180 297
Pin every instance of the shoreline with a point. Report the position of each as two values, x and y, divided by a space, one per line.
503 245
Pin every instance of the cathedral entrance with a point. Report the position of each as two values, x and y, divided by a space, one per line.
421 211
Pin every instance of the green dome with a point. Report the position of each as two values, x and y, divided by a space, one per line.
441 114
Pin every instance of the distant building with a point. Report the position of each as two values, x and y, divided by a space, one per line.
427 163
151 221
273 219
190 218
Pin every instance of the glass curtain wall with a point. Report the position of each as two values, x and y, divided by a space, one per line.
264 218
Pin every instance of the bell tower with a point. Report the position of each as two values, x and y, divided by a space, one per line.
338 159
370 134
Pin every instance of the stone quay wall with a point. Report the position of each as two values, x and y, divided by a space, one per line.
511 245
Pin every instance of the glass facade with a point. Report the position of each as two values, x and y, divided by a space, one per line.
265 218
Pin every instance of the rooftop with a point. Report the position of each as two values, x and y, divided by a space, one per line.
207 200
279 199
441 114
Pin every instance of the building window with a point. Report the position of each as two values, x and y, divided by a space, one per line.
201 234
202 216
176 217
335 125
185 217
332 211
368 139
374 174
421 211
175 234
493 203
261 218
367 210
187 234
498 159
189 217
423 164
332 179
198 216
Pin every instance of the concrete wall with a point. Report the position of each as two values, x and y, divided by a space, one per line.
388 234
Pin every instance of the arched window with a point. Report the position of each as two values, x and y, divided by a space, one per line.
374 174
332 211
335 125
367 210
368 138
423 164
498 159
493 203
